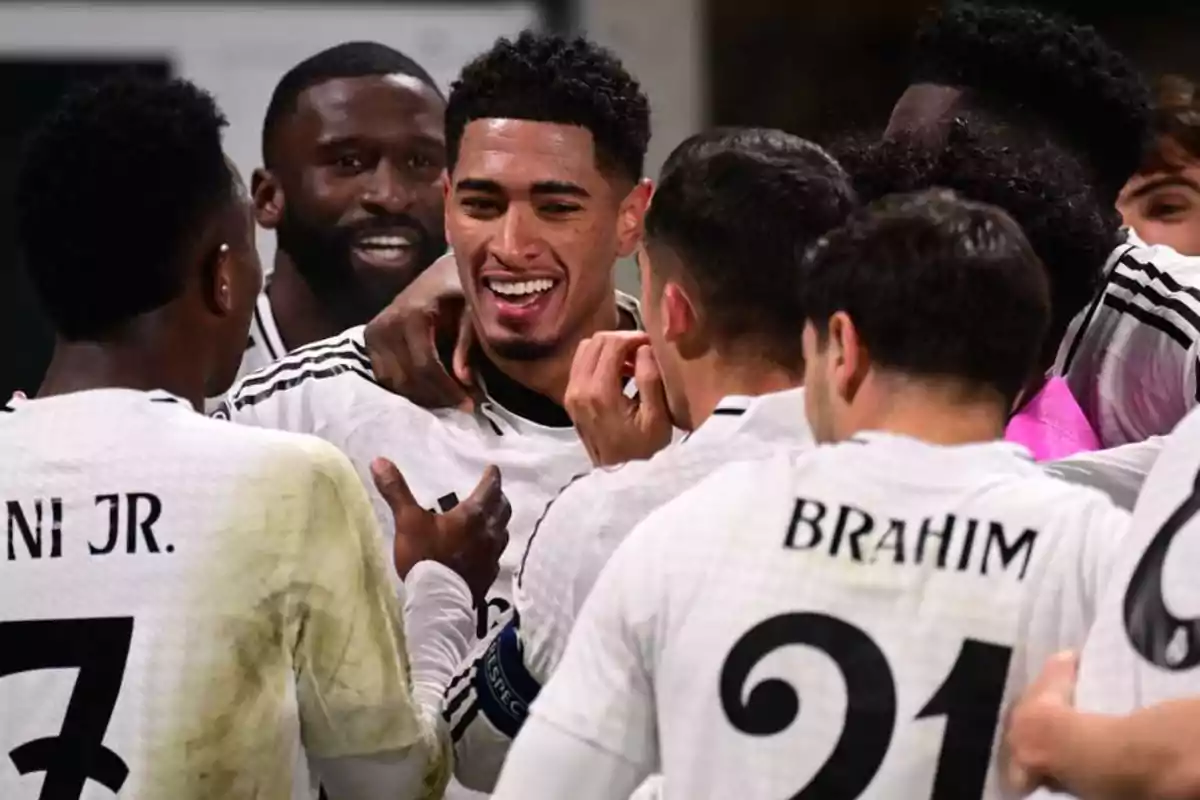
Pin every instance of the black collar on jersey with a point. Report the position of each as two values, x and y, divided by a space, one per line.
520 400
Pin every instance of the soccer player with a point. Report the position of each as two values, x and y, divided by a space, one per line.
1047 191
733 213
192 609
1138 691
545 137
845 620
353 147
1130 358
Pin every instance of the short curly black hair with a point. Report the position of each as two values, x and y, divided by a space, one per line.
549 78
1045 189
1064 75
937 286
113 186
740 207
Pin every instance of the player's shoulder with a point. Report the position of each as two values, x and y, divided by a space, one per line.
305 369
279 452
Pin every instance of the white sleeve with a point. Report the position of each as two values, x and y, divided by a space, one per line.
550 763
1119 472
439 619
1062 607
488 702
602 692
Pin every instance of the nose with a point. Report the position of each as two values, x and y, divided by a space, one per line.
386 191
517 238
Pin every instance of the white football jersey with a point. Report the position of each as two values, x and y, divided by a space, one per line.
1145 646
847 621
183 602
329 389
489 700
1119 472
263 348
1131 358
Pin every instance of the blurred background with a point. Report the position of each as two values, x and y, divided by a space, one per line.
813 67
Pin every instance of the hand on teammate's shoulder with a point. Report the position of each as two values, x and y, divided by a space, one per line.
614 427
402 340
468 539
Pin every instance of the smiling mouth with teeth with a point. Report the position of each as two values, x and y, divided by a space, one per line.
520 292
385 247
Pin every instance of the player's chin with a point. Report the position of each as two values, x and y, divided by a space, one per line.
515 346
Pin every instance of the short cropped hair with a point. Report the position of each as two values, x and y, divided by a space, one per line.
113 187
740 207
1063 75
347 60
937 287
1043 188
547 78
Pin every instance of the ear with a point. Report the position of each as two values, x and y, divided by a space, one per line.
447 190
680 316
268 198
217 279
632 215
848 357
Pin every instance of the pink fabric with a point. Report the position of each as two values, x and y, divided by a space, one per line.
1052 425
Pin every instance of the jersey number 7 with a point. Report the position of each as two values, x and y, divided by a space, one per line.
969 698
99 648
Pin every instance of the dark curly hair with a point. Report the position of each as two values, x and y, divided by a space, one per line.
551 79
740 206
1045 189
937 287
112 189
1063 75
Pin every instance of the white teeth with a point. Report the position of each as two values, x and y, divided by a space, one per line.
385 241
388 253
520 288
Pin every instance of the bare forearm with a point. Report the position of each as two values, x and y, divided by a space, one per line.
1154 752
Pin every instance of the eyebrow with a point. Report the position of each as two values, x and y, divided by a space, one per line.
1164 182
539 187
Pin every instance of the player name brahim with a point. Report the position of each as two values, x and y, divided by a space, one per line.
35 527
949 542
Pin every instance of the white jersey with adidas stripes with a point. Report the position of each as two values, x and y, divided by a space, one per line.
1131 358
263 347
191 609
845 621
489 700
1145 646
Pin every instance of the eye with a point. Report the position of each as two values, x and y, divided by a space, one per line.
349 162
559 208
480 206
420 161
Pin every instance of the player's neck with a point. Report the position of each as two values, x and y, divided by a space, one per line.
707 381
938 415
548 376
300 316
144 362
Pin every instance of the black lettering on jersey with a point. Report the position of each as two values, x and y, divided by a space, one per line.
969 698
1008 551
1161 638
132 514
31 535
852 533
99 649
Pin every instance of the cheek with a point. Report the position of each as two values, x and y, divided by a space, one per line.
324 198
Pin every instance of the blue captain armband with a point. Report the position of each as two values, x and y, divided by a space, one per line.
503 685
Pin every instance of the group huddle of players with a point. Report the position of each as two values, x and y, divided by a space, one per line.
464 520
